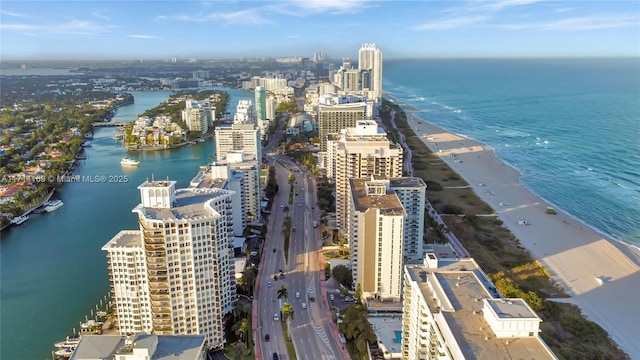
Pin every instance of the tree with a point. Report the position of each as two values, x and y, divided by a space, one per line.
287 312
249 279
358 293
356 327
283 293
240 329
238 310
342 275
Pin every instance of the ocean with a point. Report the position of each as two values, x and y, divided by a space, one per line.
571 127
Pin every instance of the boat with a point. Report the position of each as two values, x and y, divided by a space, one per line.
129 162
86 144
17 220
53 205
91 324
118 136
64 352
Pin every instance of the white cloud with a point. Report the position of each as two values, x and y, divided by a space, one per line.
140 36
242 17
100 15
74 27
581 23
14 14
452 23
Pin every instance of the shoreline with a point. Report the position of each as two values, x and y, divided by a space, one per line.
411 110
596 269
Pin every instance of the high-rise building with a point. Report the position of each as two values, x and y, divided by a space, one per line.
245 113
238 137
451 310
377 225
339 112
221 175
370 58
261 109
175 275
198 115
261 104
377 253
412 194
361 152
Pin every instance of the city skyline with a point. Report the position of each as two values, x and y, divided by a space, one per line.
156 30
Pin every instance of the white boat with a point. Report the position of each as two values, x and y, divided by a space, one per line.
19 219
129 162
65 352
53 205
90 324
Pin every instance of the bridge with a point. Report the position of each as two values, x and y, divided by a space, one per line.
109 124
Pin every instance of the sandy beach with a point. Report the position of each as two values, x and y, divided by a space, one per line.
601 274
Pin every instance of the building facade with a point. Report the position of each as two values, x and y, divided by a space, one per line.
334 117
376 245
179 266
238 137
198 115
361 152
370 59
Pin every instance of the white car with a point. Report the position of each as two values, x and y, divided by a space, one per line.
276 317
332 297
304 305
297 294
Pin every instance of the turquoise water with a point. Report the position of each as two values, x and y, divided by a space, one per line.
570 126
52 269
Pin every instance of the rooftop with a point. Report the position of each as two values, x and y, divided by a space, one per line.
190 204
388 204
123 239
461 287
174 347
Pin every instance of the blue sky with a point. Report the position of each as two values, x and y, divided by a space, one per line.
125 30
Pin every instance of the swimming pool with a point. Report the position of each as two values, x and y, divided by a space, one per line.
398 339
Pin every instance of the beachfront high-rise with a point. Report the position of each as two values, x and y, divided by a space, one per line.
367 78
175 274
377 234
337 112
451 310
370 58
379 250
361 151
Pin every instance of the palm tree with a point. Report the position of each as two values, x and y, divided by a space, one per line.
283 293
240 329
287 312
238 310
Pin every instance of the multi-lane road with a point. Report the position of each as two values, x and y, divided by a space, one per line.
310 328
